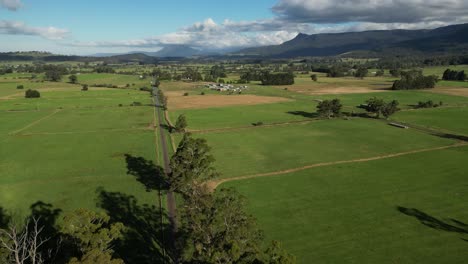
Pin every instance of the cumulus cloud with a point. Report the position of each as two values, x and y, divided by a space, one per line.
12 5
374 11
20 28
206 35
307 16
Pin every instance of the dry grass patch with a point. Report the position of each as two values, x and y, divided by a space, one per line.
177 100
451 91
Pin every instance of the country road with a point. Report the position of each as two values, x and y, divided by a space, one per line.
171 202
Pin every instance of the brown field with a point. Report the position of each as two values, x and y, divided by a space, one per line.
451 91
176 100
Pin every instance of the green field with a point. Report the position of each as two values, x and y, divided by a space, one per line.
62 147
270 149
452 120
349 213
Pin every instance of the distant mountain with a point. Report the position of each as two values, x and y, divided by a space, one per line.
440 40
176 51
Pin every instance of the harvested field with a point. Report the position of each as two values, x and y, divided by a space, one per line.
176 100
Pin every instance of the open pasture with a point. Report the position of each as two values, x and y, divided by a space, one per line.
262 150
408 209
62 147
451 120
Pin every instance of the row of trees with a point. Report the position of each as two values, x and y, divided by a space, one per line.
376 106
414 80
450 75
278 79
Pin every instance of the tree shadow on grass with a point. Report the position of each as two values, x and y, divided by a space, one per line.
147 173
4 218
146 230
303 114
452 225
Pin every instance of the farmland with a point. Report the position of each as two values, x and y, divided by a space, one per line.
353 188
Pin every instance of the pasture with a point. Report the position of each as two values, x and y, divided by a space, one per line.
61 148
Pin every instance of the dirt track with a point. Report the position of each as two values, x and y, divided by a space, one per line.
214 184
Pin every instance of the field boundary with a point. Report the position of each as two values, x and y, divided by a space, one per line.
228 129
212 185
84 132
35 122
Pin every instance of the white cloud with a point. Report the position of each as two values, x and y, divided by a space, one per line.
12 5
20 28
206 35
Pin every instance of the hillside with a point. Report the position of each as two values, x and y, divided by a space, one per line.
440 40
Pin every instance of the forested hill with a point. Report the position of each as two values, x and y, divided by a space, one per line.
450 39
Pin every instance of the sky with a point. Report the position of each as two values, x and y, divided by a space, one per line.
104 26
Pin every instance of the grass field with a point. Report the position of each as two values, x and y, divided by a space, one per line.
349 213
62 147
269 149
452 120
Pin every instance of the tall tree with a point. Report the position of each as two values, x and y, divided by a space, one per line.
73 78
390 109
329 108
191 164
181 123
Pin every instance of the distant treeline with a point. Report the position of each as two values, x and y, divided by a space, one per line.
450 75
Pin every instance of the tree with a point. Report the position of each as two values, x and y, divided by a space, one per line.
361 72
53 75
278 79
23 245
84 87
375 105
218 230
379 73
192 163
275 254
32 94
314 77
162 99
414 80
93 234
378 106
181 123
20 87
73 78
329 108
390 108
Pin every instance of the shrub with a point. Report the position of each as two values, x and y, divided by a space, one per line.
84 87
20 87
32 94
186 94
202 93
259 123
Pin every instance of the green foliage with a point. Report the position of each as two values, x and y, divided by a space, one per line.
379 73
93 233
336 71
329 108
278 79
53 76
104 69
181 123
84 87
414 80
162 99
94 257
395 72
428 104
32 94
275 254
218 230
450 75
361 72
192 75
20 87
390 109
314 77
378 106
192 163
73 78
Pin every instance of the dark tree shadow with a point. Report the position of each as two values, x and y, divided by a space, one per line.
453 136
146 230
167 128
303 114
4 219
147 173
452 225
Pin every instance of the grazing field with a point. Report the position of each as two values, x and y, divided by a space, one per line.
409 209
269 149
451 120
301 109
61 148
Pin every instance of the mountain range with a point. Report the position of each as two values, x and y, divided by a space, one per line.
441 40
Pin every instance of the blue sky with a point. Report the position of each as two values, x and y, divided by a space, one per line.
85 27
